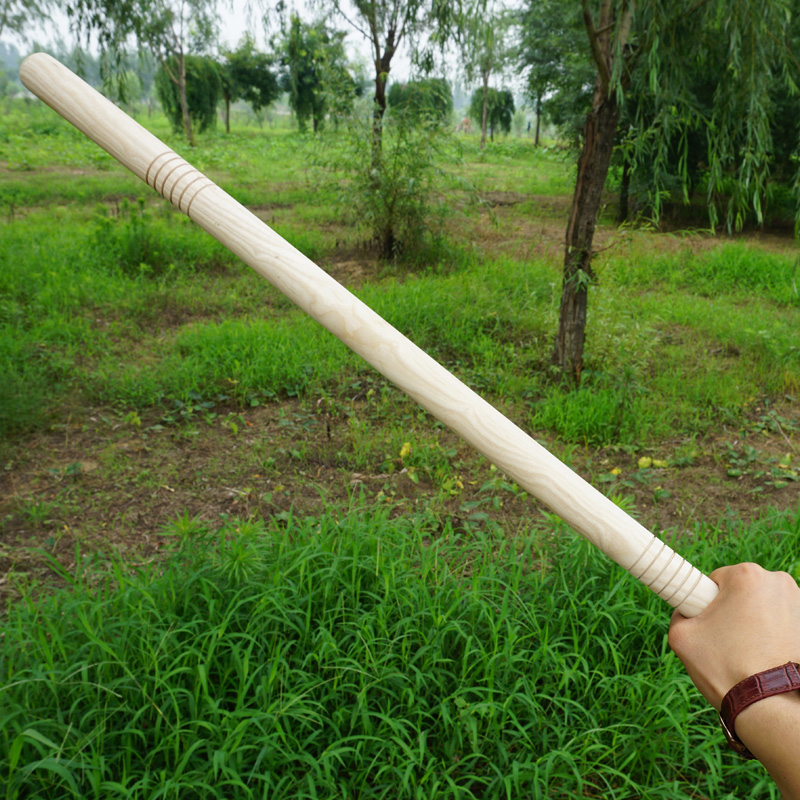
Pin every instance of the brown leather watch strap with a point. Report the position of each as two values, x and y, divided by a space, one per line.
774 681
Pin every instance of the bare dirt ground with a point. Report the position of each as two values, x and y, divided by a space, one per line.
105 486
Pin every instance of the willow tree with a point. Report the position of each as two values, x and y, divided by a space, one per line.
388 25
429 99
659 43
484 47
169 29
248 75
200 96
18 16
492 109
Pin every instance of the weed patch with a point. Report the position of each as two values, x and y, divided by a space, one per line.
604 410
139 245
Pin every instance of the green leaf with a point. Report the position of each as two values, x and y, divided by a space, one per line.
53 765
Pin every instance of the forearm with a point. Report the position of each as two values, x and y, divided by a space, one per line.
770 729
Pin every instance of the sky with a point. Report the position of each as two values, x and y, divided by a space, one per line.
236 18
234 21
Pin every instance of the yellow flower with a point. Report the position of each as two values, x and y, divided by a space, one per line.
405 450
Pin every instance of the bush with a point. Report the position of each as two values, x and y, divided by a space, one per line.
397 198
430 99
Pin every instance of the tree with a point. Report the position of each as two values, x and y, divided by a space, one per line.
386 25
483 39
132 79
9 56
429 98
247 75
7 85
406 205
170 29
125 85
16 16
146 67
661 41
681 168
492 109
609 33
316 70
200 97
559 77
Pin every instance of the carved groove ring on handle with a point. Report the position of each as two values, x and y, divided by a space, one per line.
675 570
178 171
632 569
689 592
666 567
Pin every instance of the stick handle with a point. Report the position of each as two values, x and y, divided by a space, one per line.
592 514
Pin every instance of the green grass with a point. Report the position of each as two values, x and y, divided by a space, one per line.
84 303
51 189
108 296
605 409
511 164
355 655
736 268
34 136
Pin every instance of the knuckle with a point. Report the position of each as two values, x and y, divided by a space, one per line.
787 579
748 572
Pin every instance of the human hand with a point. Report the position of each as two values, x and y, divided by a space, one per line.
752 625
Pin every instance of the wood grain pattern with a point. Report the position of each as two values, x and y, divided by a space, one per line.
592 514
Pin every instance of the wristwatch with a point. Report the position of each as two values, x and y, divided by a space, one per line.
778 680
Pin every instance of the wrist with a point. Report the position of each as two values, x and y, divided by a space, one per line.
766 727
750 695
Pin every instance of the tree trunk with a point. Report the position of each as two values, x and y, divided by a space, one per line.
388 242
187 120
593 164
378 110
538 119
485 112
624 192
227 113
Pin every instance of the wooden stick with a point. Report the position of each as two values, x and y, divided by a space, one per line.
592 514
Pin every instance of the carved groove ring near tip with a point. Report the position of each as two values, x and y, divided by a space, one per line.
167 172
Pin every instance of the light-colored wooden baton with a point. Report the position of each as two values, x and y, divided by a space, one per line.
536 470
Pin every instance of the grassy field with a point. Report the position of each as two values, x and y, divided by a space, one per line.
235 562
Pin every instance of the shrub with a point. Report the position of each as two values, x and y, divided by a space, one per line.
396 196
